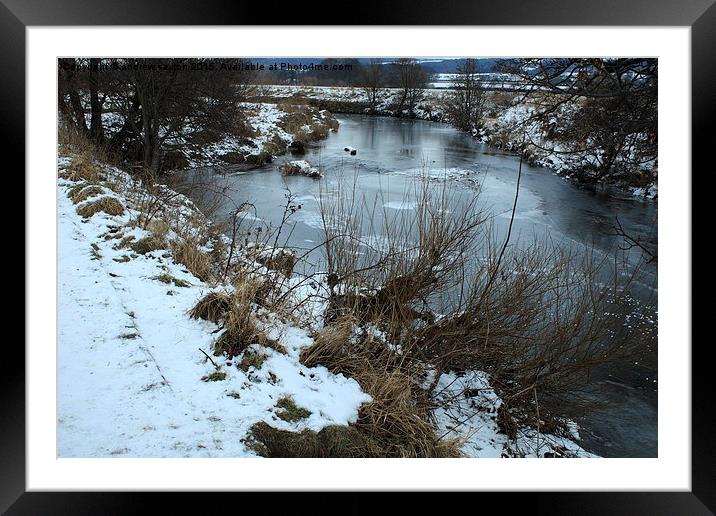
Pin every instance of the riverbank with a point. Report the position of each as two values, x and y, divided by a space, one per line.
262 132
151 297
504 126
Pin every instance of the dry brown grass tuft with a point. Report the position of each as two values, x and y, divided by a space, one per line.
212 307
148 244
108 205
398 419
77 187
196 261
281 260
241 328
86 192
158 227
330 348
83 167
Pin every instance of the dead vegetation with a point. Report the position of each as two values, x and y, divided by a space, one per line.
148 244
527 315
397 421
305 123
298 168
196 261
236 314
281 260
108 205
290 412
85 192
216 376
212 307
86 153
169 279
83 168
332 442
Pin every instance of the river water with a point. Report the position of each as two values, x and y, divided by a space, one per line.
392 153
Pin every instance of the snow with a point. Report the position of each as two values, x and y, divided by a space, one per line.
650 192
263 133
130 365
471 417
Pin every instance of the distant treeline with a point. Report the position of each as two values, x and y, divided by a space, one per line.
316 71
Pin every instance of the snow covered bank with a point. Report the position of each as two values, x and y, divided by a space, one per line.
133 380
473 417
270 130
267 130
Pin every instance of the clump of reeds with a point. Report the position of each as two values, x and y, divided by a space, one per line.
83 167
187 253
109 205
212 307
236 313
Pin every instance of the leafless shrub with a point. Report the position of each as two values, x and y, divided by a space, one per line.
537 328
420 254
529 316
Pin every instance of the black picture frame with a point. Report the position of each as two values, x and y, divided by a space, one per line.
17 15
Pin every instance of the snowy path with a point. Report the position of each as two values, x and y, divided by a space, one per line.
130 369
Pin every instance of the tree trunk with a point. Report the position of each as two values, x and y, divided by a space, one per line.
95 130
79 111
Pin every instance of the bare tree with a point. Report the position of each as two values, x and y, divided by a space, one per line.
465 103
373 81
412 79
163 103
613 107
80 80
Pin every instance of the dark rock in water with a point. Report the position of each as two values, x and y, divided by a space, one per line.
346 149
353 152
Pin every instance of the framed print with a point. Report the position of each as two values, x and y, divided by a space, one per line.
415 249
